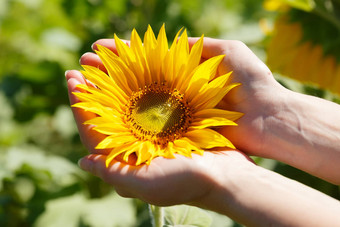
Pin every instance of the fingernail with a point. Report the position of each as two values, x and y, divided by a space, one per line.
83 164
81 57
79 161
66 72
94 46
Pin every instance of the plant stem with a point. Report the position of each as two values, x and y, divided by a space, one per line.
157 215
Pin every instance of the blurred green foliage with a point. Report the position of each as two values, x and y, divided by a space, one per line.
40 183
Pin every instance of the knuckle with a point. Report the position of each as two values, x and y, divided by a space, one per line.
124 193
237 44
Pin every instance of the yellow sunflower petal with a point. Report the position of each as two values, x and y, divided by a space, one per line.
195 55
162 42
117 151
139 51
145 152
108 119
169 151
115 141
210 91
124 51
116 68
193 62
214 101
112 129
187 146
130 151
211 122
150 41
94 108
97 94
150 45
208 138
132 61
170 60
202 75
182 54
207 113
104 82
161 49
108 127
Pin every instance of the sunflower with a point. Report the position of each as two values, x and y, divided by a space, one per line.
290 54
155 101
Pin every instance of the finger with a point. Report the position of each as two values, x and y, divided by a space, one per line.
211 47
239 59
108 43
89 137
233 49
92 59
117 174
74 77
94 164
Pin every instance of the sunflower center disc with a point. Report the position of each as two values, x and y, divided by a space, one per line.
158 112
158 115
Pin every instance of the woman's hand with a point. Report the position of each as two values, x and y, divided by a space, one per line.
300 130
223 181
167 182
258 97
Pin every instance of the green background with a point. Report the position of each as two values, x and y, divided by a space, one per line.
40 182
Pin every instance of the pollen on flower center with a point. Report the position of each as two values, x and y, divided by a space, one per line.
158 114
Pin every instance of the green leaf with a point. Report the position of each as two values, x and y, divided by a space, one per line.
111 210
63 122
62 212
61 38
77 210
60 170
24 189
222 220
183 215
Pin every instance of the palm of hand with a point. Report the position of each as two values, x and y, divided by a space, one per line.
184 180
169 181
257 97
164 181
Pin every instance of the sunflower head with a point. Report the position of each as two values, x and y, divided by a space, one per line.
154 101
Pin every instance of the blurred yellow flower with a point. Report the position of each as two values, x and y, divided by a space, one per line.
155 101
275 5
291 55
284 5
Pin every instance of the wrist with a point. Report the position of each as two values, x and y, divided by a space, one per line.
281 127
242 195
303 132
229 174
254 196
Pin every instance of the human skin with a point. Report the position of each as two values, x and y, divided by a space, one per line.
226 181
300 130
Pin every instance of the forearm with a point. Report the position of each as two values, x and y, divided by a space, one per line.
305 133
258 197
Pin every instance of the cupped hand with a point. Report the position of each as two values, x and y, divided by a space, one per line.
259 97
88 136
168 182
223 181
163 182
